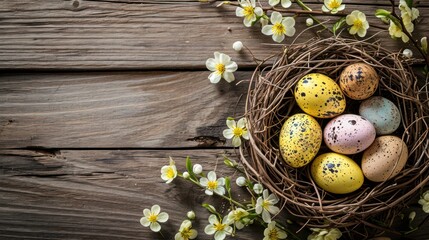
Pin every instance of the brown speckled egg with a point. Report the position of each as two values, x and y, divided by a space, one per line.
384 159
349 134
359 81
319 96
336 173
300 139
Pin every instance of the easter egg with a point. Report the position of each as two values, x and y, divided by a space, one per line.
359 81
336 173
382 113
348 134
384 159
319 96
300 140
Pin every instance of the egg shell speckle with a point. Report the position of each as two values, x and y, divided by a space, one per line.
384 159
336 173
319 96
359 81
300 139
349 134
382 113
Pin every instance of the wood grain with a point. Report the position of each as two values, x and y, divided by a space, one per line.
101 194
116 109
83 34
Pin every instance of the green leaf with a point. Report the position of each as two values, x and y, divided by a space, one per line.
230 118
189 168
338 25
409 3
228 185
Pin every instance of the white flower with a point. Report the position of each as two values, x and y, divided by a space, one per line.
309 22
357 21
221 67
257 188
249 11
212 184
186 232
197 169
168 173
407 53
265 205
219 229
324 234
236 216
273 233
152 217
236 130
424 201
280 27
237 46
241 181
190 215
333 6
395 31
285 3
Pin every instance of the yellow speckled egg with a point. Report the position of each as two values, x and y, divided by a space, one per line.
300 139
320 96
359 81
384 159
336 173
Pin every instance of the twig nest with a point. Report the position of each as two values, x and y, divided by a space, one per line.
274 96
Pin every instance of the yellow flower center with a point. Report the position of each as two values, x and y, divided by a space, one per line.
238 131
248 11
334 4
186 233
220 68
273 235
358 23
219 226
266 204
278 29
152 218
212 185
170 172
238 215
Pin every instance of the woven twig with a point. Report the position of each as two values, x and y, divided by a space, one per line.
270 101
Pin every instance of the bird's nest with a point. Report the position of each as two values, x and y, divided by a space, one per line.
270 102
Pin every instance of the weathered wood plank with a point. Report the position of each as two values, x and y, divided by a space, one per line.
81 34
101 194
116 109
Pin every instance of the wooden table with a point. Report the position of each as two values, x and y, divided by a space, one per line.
96 95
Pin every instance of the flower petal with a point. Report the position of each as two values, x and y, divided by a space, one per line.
213 219
276 17
224 59
273 2
155 227
267 30
209 230
245 135
146 212
241 123
239 12
231 123
228 76
325 9
236 141
144 221
208 192
341 7
193 233
204 181
231 67
214 77
163 217
155 209
258 11
219 235
278 38
286 3
211 64
273 209
211 176
266 216
290 31
228 134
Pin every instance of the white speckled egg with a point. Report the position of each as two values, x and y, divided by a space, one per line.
300 139
359 81
384 159
382 113
336 173
348 134
319 96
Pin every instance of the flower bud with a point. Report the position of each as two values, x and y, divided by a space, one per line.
185 175
424 43
407 53
190 215
230 163
309 22
258 188
263 22
237 46
197 169
241 181
411 216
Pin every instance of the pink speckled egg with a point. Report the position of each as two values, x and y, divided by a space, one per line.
359 81
349 134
